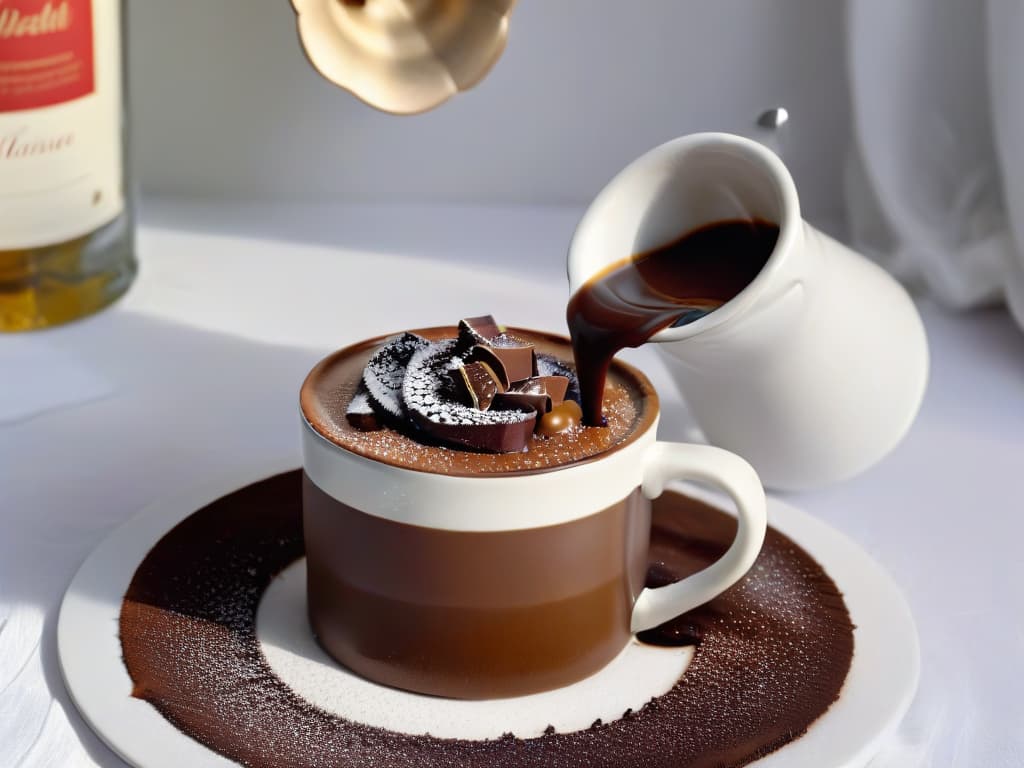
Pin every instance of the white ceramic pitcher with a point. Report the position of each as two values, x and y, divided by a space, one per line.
817 368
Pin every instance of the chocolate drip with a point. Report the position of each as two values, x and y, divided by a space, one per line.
771 657
632 300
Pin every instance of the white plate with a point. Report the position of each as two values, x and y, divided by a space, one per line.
880 685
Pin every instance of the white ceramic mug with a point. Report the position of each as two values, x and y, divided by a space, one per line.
817 368
493 585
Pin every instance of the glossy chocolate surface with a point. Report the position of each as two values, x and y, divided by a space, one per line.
630 301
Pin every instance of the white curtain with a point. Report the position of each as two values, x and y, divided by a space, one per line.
935 186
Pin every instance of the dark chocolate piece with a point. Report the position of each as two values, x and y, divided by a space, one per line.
477 330
758 678
518 359
494 437
480 353
464 375
553 386
516 355
476 385
360 413
514 399
541 393
385 372
549 365
530 386
444 419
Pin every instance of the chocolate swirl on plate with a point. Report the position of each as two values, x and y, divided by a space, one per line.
772 652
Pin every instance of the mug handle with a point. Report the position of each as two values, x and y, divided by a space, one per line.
704 464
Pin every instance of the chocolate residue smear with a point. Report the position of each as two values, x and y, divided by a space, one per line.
772 652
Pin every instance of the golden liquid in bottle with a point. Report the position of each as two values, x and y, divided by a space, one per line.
51 285
61 122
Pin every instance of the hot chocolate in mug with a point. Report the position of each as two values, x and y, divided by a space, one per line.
469 583
813 371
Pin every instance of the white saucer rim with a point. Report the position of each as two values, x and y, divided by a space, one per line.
873 589
103 697
100 686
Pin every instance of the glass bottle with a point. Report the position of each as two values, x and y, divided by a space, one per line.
66 224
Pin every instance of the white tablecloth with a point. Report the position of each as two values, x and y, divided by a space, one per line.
197 370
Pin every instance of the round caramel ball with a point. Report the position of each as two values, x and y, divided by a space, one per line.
560 418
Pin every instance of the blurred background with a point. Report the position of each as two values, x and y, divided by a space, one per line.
901 138
225 104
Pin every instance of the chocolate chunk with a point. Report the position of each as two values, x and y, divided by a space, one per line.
518 359
360 413
541 393
476 384
477 330
530 386
516 355
538 401
385 372
509 437
549 365
481 353
553 386
423 392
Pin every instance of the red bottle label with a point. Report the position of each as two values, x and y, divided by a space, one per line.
46 52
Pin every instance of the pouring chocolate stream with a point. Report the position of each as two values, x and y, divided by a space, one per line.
625 304
489 391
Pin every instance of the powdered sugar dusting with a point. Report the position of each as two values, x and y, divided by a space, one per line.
628 403
385 371
422 393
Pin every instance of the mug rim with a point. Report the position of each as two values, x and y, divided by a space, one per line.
647 419
789 222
